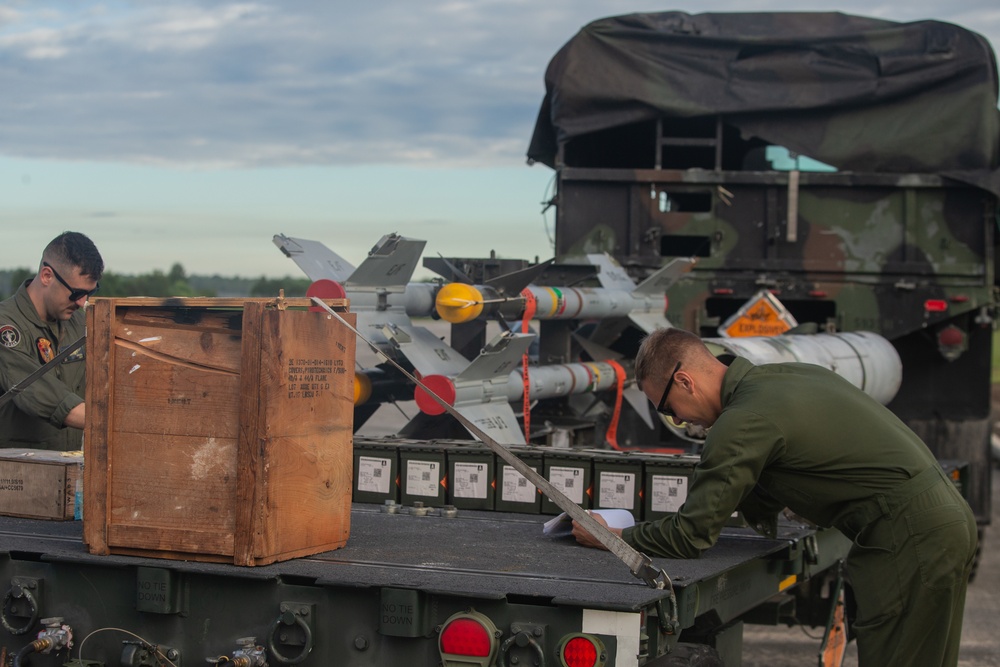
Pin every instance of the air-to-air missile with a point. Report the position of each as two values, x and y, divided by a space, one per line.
482 390
617 297
384 299
380 284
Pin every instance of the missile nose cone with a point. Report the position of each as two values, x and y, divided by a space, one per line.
362 388
458 303
440 385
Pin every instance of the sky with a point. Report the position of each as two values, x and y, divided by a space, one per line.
192 132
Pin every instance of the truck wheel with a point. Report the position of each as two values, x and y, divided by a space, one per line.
689 655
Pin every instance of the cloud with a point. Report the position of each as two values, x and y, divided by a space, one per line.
216 85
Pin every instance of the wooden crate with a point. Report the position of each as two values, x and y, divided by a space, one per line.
39 483
217 429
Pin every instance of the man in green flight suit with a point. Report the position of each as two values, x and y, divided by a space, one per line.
799 436
45 315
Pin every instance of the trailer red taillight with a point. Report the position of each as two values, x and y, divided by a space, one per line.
935 305
580 650
467 635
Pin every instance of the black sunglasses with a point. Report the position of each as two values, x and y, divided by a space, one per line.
75 293
663 408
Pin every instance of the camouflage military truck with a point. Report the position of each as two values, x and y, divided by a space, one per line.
847 165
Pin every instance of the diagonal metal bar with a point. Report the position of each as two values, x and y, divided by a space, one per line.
18 387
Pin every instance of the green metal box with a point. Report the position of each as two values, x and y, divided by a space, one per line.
422 469
376 471
618 481
571 472
666 480
514 492
471 477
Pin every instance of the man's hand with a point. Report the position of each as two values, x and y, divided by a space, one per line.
586 539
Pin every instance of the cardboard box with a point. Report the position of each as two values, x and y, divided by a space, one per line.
217 429
39 483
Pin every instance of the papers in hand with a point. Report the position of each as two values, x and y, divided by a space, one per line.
562 525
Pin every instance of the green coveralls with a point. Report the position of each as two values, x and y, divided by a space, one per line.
35 417
800 436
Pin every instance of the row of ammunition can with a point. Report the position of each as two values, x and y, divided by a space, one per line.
468 475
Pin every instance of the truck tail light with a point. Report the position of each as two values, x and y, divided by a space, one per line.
468 638
581 650
935 305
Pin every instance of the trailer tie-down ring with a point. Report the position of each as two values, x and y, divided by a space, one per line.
290 618
21 593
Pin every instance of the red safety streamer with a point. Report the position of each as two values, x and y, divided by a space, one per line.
530 306
612 434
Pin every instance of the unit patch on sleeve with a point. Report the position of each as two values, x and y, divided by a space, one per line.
9 335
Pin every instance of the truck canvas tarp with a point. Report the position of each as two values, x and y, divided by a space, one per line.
857 93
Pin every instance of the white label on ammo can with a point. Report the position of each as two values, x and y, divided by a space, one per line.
374 474
422 478
569 481
470 480
617 490
669 493
516 487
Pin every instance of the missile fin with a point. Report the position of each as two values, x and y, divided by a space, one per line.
640 403
389 265
429 354
316 260
512 283
500 356
611 274
595 351
664 277
649 322
497 420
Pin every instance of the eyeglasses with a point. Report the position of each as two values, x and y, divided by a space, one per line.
663 408
75 293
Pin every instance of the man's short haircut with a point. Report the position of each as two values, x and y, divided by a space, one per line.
71 249
661 350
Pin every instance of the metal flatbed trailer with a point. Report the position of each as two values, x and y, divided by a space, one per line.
387 597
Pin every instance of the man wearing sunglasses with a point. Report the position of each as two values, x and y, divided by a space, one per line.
799 436
44 316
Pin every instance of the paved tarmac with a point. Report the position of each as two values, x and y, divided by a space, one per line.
791 647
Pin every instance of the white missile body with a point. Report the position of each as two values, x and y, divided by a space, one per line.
865 359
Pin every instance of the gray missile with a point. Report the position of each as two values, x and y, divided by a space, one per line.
618 297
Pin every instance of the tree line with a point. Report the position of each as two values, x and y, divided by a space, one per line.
175 282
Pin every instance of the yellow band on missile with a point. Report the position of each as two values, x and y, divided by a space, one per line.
458 303
362 388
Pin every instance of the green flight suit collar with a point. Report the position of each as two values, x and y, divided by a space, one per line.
734 375
24 304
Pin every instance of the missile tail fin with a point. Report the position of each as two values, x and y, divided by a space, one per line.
501 355
512 283
316 260
667 275
390 263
